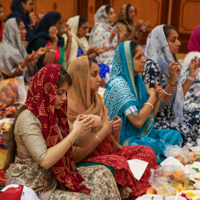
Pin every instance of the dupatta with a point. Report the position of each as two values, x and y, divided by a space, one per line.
40 101
124 90
157 49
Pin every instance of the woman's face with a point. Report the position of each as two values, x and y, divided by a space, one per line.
139 60
22 31
173 42
28 6
83 30
2 14
61 95
131 13
111 16
58 24
95 79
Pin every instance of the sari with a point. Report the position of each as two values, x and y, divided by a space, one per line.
17 12
100 35
124 90
82 101
171 114
41 38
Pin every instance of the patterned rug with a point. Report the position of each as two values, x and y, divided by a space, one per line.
3 154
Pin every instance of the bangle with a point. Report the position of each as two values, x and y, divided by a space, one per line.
171 84
52 50
98 138
70 141
167 93
191 78
147 103
69 41
96 53
21 68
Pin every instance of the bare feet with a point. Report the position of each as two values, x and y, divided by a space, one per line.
124 192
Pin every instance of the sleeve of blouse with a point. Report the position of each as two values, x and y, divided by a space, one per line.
152 74
30 131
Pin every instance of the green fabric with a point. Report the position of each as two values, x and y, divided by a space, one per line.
94 163
61 60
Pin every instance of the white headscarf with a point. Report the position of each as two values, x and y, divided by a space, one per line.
157 49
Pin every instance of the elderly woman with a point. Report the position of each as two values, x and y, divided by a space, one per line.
163 67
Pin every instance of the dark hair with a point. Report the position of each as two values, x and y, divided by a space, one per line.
12 151
108 9
1 6
25 1
18 21
127 10
167 29
82 20
134 45
58 16
63 77
91 60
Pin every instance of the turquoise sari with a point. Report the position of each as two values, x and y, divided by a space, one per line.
124 90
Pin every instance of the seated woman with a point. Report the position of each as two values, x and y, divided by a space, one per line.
192 97
47 34
2 15
79 26
126 17
100 144
127 96
41 146
14 60
103 34
162 66
23 10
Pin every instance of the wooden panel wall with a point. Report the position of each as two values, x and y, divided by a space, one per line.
67 8
189 15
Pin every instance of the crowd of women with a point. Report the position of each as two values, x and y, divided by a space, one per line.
68 143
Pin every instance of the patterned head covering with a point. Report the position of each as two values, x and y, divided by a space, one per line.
194 42
101 15
12 48
157 49
40 101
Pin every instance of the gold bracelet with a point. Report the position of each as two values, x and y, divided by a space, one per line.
147 103
21 68
166 93
70 141
69 41
98 138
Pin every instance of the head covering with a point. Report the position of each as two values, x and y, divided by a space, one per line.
40 101
12 48
79 95
157 49
194 42
124 90
18 12
76 41
42 31
123 19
